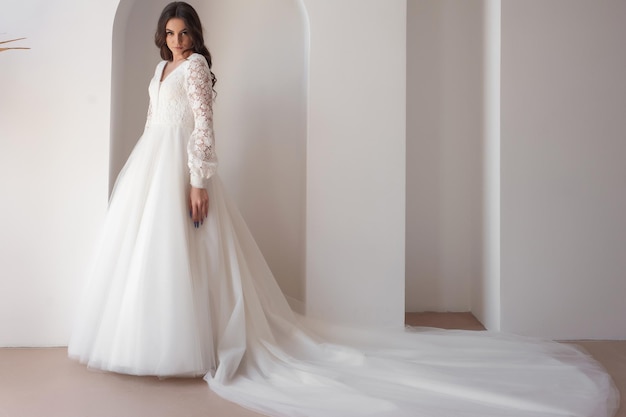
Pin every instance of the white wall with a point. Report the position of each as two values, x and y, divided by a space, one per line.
563 231
563 170
555 268
54 131
485 288
444 153
356 161
133 62
260 51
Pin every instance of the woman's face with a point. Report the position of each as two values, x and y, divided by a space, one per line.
177 38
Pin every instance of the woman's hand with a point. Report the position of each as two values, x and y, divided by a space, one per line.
198 205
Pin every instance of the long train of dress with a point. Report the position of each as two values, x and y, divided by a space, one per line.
164 298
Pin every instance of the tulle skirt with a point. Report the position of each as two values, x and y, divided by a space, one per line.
163 298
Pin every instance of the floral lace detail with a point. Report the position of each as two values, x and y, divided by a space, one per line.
201 147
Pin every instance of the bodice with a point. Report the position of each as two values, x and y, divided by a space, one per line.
169 99
185 98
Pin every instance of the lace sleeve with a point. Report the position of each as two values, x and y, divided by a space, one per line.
201 147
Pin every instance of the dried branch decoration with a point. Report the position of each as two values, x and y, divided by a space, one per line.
15 47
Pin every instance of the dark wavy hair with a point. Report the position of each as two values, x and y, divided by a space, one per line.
183 11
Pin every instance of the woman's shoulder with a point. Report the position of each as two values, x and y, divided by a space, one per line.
196 57
160 66
158 69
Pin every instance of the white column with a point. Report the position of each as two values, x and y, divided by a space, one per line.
356 161
486 292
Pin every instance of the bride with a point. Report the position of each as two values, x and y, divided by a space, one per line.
178 287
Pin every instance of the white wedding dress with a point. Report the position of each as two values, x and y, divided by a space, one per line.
164 298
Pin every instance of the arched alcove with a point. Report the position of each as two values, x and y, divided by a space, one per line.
260 53
133 61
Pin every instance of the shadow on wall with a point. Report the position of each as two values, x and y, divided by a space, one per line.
445 155
260 55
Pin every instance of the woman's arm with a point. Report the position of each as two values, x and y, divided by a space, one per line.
201 146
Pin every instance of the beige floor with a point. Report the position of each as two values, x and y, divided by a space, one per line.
44 383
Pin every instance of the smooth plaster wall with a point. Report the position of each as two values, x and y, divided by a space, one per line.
133 62
486 300
563 170
54 134
356 161
444 155
260 51
562 173
55 125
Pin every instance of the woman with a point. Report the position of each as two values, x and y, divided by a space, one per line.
179 288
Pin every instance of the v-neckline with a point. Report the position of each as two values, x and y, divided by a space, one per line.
161 79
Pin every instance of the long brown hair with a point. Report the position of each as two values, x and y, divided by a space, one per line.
183 11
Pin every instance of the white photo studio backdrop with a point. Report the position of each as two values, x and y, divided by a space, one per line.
324 165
